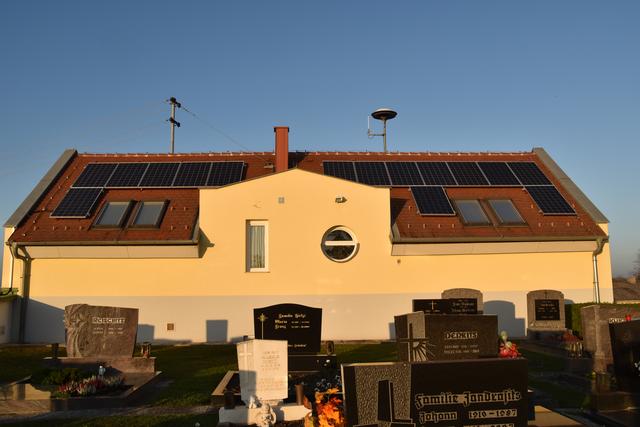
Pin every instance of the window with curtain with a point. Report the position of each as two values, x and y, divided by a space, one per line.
257 246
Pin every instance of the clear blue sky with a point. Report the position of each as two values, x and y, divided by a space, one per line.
463 75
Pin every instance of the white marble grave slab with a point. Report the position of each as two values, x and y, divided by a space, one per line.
263 370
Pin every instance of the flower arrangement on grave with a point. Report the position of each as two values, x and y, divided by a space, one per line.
329 409
92 385
508 350
637 365
572 344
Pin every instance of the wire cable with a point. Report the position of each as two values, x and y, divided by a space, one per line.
211 126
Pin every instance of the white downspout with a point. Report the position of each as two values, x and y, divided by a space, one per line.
596 280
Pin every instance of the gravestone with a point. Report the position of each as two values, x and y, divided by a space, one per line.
421 337
545 312
625 347
446 306
465 293
595 330
485 392
262 365
297 324
99 331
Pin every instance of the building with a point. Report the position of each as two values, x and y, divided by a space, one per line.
195 241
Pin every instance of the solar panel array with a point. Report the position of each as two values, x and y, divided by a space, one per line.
452 174
160 174
83 196
432 201
77 203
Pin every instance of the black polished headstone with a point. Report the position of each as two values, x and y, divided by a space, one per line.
547 309
446 306
463 306
432 306
625 347
298 324
423 337
487 392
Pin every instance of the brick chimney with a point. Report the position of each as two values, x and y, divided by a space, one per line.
282 148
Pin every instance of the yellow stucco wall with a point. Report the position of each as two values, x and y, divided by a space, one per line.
297 265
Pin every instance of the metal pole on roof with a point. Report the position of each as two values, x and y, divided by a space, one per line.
172 120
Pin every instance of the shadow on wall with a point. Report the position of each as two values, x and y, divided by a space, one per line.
45 323
146 333
507 320
217 330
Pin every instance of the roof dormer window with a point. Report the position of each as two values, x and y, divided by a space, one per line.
471 212
149 214
113 214
506 212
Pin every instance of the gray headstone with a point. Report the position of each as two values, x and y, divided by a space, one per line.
465 293
545 310
483 392
595 330
98 331
625 346
423 337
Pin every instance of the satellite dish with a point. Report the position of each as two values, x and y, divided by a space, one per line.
384 114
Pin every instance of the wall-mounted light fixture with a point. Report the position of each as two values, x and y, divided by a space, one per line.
341 199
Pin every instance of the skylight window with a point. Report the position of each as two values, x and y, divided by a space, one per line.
471 212
113 214
149 214
506 212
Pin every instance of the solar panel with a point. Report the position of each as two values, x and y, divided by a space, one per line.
549 200
77 203
432 201
127 175
223 173
192 174
95 175
342 170
404 173
372 173
436 173
160 175
498 173
528 173
467 173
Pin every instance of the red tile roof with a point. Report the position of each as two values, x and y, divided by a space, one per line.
182 212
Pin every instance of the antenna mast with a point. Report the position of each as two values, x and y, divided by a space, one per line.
383 114
172 120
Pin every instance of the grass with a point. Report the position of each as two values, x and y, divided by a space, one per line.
19 362
193 371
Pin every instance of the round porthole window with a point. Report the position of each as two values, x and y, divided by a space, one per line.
339 244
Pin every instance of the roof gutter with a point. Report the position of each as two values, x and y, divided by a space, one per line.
496 239
113 243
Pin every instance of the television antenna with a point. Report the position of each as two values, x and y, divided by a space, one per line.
382 114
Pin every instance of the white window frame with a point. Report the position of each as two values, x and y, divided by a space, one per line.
249 268
327 243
